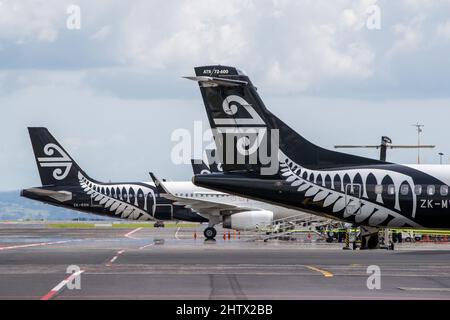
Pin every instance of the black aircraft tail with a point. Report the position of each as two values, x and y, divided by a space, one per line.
199 167
248 136
55 165
213 165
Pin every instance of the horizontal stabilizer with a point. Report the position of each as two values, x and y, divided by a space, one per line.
215 82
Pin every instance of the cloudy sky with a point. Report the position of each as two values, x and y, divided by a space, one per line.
112 90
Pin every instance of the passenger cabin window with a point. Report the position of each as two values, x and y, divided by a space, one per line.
444 191
418 190
391 189
431 190
378 189
404 190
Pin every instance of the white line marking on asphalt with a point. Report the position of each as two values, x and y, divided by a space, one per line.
128 235
33 245
146 246
176 233
115 257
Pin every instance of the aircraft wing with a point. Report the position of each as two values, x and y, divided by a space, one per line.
200 205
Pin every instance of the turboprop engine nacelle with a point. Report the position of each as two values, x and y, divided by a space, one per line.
248 220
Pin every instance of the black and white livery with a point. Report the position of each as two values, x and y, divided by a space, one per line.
211 166
303 176
65 184
233 212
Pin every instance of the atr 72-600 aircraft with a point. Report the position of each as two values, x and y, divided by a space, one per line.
66 185
303 176
233 212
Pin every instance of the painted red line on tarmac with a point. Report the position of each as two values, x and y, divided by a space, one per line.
61 285
253 296
128 235
49 295
33 245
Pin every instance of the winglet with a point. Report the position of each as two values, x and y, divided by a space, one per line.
158 184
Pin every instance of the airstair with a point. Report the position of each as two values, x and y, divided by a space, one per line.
290 226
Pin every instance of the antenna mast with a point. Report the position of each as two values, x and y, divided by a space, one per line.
419 131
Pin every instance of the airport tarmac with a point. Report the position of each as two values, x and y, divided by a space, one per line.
148 263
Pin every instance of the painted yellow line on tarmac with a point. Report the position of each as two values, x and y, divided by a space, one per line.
325 273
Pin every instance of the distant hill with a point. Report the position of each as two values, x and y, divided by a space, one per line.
15 207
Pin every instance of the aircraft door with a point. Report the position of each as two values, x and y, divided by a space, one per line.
352 198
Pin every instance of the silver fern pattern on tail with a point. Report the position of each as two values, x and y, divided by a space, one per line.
126 201
335 198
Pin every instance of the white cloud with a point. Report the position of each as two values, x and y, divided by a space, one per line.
103 33
349 17
167 35
28 20
421 5
293 46
408 37
443 30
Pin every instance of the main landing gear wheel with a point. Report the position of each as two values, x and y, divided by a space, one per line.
210 233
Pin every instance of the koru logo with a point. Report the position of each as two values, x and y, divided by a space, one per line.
230 107
251 129
58 162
